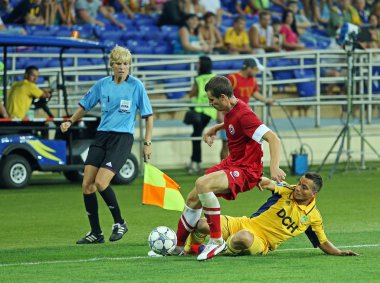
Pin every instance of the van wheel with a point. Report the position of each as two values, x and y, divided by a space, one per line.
15 172
128 172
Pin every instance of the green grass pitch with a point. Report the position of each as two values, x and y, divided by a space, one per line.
40 224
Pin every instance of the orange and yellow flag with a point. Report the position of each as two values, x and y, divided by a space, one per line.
159 189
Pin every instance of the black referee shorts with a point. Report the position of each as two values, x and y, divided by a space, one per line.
110 150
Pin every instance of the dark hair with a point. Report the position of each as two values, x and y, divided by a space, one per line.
317 180
239 18
264 13
208 15
219 85
205 65
294 24
29 69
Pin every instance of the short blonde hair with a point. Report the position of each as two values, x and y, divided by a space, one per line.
120 54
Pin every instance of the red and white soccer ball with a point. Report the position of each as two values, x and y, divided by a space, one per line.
162 240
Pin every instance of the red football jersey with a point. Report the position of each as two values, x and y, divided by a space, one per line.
244 132
243 87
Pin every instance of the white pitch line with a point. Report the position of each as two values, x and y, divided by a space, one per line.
144 257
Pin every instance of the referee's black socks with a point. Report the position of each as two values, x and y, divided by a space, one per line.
91 205
110 198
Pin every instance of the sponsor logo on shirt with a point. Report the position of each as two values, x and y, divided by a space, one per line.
109 164
231 129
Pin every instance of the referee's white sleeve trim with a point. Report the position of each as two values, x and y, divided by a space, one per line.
259 133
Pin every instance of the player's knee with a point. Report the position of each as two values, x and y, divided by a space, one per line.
100 186
202 185
88 188
242 240
202 226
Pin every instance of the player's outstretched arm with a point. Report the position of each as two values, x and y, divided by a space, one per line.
330 249
274 148
266 183
210 135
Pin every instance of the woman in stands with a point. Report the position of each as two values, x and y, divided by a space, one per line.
190 40
289 31
211 34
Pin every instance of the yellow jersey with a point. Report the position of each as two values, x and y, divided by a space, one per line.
281 218
20 97
238 40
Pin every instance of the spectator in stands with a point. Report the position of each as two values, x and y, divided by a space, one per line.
86 11
142 6
12 30
376 9
281 3
301 21
200 116
22 93
190 40
289 31
172 13
66 13
341 13
369 37
215 7
28 12
6 9
261 35
116 5
251 7
321 11
245 86
211 34
236 38
360 6
194 7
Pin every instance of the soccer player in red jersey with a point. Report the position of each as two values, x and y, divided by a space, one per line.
239 172
245 86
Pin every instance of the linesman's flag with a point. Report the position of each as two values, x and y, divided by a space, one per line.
159 189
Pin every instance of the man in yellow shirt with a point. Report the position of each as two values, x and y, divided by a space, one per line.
290 212
22 93
236 38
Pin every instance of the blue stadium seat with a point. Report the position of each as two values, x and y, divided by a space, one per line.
85 31
222 65
306 89
169 29
151 68
376 82
163 49
144 49
178 67
175 95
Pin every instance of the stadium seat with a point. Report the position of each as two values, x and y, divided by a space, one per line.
175 95
143 49
151 68
222 65
85 31
163 49
305 89
376 82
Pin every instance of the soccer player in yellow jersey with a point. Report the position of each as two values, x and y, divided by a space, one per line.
289 212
